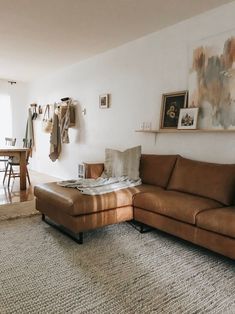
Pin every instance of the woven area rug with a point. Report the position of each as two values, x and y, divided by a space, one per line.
18 210
116 270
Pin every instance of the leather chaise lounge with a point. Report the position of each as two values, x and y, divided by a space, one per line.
190 199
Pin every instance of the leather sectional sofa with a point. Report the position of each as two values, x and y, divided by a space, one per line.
190 199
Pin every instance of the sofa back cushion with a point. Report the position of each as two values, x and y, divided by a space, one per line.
157 169
214 181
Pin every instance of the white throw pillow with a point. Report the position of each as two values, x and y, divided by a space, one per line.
125 163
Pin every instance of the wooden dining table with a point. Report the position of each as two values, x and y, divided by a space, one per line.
21 153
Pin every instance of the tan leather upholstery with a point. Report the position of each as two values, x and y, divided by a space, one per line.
72 202
220 220
94 170
180 206
191 208
215 181
157 169
210 240
82 223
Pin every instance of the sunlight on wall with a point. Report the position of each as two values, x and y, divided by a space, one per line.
5 118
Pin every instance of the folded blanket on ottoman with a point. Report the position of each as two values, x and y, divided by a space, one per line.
100 185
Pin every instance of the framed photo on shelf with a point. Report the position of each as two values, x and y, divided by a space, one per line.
171 105
104 101
188 118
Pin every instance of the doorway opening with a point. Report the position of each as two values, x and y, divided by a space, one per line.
5 118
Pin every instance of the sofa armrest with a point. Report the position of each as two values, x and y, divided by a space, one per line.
93 171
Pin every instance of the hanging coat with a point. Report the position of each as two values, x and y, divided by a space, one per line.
29 134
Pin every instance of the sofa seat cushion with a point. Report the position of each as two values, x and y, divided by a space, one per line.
177 205
215 181
74 203
219 220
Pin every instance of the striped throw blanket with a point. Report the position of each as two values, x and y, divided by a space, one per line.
101 185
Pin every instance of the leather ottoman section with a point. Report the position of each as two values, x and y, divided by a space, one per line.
54 194
74 203
210 240
219 220
181 206
85 222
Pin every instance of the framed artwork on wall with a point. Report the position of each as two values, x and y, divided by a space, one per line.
188 118
171 105
104 101
212 81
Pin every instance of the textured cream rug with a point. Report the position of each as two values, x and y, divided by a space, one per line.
18 210
117 270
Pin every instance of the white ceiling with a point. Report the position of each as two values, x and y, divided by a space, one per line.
40 36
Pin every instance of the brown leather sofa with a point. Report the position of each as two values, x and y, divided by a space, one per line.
189 199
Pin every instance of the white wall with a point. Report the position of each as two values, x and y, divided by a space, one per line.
18 97
136 75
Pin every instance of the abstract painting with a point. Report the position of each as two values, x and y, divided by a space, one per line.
212 81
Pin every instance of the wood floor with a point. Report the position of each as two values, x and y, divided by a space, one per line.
13 194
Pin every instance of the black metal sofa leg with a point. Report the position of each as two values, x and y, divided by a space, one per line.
76 237
142 228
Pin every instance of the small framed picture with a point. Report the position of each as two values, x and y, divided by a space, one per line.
188 118
104 101
171 105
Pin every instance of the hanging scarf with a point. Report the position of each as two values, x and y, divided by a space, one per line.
55 140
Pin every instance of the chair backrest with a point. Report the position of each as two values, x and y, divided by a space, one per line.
9 141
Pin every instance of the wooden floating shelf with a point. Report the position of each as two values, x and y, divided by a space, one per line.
186 131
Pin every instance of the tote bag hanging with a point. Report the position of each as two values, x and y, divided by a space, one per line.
47 123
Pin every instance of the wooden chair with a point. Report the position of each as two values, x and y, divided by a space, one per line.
8 142
13 162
